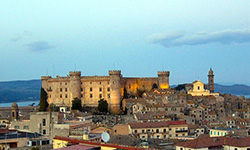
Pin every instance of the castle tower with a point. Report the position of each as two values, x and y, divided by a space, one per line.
163 79
75 84
211 80
14 111
115 93
45 82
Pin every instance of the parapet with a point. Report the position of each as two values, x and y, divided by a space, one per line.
114 72
45 77
75 73
163 73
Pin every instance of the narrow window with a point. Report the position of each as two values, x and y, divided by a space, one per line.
66 96
44 122
90 95
100 95
90 89
108 89
100 89
66 89
60 89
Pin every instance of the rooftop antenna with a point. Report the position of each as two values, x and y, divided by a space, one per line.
53 70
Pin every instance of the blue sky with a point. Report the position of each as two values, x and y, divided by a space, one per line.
140 38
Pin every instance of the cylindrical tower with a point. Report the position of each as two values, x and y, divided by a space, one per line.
45 85
211 80
115 93
163 79
75 84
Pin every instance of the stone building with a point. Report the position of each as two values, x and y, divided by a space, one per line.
90 89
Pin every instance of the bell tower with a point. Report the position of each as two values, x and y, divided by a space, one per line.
211 80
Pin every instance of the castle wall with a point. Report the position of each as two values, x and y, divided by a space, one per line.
132 85
90 89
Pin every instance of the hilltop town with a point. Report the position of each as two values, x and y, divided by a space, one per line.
116 112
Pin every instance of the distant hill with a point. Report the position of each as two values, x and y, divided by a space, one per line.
236 89
16 91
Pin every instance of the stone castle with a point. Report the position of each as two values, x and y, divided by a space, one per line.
90 89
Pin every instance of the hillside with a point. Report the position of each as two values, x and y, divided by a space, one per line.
15 91
236 89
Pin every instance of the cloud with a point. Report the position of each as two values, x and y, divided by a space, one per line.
24 35
225 37
39 45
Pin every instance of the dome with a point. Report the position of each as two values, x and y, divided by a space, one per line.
14 105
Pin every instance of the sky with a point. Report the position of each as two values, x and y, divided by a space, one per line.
139 38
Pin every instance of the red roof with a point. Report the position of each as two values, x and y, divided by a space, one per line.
156 124
75 141
216 142
77 147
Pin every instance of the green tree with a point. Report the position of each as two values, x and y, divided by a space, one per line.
77 104
102 106
43 100
125 93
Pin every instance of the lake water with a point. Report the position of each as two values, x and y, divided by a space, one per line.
27 103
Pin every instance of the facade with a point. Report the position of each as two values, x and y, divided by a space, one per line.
199 90
159 130
90 89
40 122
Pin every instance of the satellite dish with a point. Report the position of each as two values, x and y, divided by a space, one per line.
105 136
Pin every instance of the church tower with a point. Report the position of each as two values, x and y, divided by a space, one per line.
211 80
14 112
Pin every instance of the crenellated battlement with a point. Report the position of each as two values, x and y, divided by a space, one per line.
75 73
45 77
163 73
114 72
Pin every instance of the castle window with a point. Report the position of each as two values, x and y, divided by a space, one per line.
100 95
44 131
91 95
108 95
44 122
60 89
66 95
66 89
108 89
100 89
60 95
90 89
